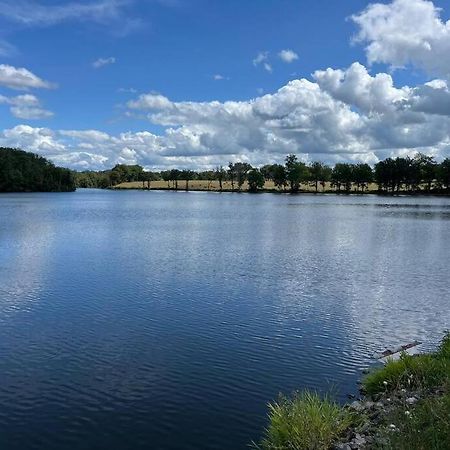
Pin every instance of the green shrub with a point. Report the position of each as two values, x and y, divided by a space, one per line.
305 422
415 372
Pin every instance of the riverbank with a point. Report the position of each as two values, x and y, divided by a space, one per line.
227 186
405 405
269 187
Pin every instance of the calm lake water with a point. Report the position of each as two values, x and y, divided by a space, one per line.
164 320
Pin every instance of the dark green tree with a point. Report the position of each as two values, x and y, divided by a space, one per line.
255 180
362 176
21 171
342 175
241 170
296 172
231 174
187 175
443 174
279 176
220 174
319 173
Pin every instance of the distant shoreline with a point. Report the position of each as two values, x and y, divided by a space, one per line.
205 186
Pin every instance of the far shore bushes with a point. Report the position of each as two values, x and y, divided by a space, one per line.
421 174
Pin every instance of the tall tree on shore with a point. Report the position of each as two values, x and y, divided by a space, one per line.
166 176
342 175
427 169
268 171
319 173
241 170
174 175
231 174
255 180
187 175
443 174
362 176
220 174
279 176
296 172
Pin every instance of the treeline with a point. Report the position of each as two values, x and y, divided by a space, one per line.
409 174
21 171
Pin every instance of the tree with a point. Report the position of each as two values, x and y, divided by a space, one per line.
166 176
342 174
122 173
241 170
148 177
255 180
296 172
426 167
231 174
268 171
174 175
443 173
362 176
187 175
319 173
26 172
279 176
220 174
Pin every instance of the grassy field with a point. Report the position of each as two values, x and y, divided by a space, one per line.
205 185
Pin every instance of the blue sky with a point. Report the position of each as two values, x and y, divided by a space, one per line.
96 59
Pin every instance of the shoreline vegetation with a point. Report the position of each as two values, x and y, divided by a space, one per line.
404 405
22 171
418 175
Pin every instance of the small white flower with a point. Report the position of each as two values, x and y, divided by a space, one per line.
385 383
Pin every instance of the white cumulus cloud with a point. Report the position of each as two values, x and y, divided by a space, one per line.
26 107
406 32
288 56
21 79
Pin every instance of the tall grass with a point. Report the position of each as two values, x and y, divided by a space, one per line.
411 372
305 422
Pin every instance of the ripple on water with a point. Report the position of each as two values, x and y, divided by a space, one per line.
136 318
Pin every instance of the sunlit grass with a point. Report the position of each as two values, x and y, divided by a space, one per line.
305 421
411 372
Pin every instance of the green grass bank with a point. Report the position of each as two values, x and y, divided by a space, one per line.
405 405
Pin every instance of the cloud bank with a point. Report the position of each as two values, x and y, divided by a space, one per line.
336 114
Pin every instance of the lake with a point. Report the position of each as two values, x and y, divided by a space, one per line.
168 320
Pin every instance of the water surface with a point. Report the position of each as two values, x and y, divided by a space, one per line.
165 320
